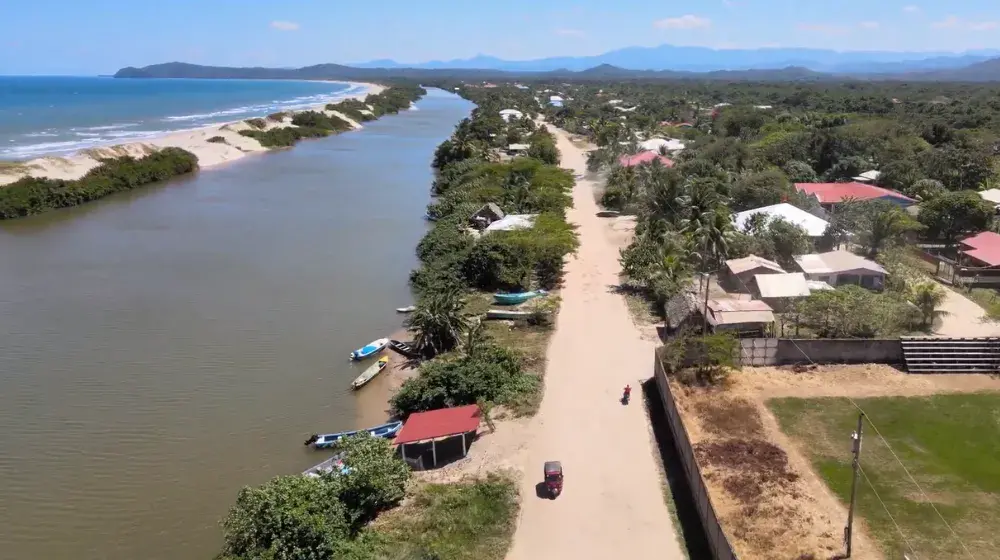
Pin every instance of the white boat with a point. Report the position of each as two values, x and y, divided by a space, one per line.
370 349
507 314
407 309
370 373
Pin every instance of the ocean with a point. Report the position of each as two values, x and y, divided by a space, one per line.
59 115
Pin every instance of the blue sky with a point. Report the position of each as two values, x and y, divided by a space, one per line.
99 36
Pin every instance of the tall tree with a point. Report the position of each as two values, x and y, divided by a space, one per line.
439 322
955 214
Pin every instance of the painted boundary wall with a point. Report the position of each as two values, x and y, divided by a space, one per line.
787 351
718 542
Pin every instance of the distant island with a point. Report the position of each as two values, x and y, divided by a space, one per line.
984 71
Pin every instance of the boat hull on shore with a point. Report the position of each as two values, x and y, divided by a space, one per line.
370 349
403 349
516 298
334 465
507 314
370 373
326 441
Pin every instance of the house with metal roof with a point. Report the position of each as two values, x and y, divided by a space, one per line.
432 431
777 290
839 268
831 194
813 226
739 273
982 249
644 157
744 317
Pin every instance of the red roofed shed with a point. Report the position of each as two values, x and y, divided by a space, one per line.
983 247
644 157
433 425
829 194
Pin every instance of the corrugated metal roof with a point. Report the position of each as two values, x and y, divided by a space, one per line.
985 247
512 222
739 266
439 423
736 312
836 192
792 284
814 227
644 157
834 262
991 195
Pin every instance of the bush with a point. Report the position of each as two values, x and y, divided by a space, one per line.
277 117
284 137
492 374
854 312
32 195
216 140
257 123
315 119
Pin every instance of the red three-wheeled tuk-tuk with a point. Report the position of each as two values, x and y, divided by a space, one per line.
553 478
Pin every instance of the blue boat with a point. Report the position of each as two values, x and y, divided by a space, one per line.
516 298
370 349
324 441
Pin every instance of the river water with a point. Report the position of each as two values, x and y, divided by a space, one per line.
163 348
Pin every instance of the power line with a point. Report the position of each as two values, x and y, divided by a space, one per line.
887 512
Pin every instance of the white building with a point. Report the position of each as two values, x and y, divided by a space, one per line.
813 226
511 114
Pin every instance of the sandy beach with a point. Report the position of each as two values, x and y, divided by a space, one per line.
210 154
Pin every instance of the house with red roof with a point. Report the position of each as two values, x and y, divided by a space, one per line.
831 194
644 157
982 249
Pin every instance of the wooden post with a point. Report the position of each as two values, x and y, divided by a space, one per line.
402 448
704 327
856 449
464 452
434 451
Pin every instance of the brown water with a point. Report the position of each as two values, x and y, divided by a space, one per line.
161 349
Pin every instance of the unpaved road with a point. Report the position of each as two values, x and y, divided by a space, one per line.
964 318
612 504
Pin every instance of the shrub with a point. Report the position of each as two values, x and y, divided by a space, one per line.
32 195
284 137
257 123
315 119
277 117
216 140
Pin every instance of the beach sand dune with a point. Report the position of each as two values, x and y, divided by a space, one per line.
235 146
612 505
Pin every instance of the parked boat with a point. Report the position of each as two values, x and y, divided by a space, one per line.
323 441
370 349
334 465
370 372
507 314
407 309
609 214
404 349
516 298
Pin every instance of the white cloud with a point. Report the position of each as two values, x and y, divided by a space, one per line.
911 9
869 25
823 28
684 22
955 22
564 32
285 25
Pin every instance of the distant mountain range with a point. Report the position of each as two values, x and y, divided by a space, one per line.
701 59
987 70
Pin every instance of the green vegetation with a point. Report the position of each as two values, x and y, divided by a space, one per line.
216 140
948 444
32 195
277 117
258 123
284 137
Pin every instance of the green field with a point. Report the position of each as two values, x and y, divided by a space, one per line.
949 443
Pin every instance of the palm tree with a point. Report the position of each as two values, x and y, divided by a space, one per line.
707 223
885 227
439 322
928 297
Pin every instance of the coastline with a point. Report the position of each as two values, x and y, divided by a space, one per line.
209 154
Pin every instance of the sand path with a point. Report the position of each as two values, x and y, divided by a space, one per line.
612 505
964 318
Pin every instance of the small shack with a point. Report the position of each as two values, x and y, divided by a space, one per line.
742 318
486 215
777 290
739 273
517 149
439 432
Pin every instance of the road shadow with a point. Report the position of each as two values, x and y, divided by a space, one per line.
542 492
692 533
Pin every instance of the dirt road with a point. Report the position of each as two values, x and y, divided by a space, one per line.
964 317
612 505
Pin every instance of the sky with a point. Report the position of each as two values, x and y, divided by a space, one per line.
89 37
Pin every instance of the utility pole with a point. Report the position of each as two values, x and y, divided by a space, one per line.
856 449
708 285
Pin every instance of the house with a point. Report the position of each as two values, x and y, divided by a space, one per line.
511 114
992 196
868 177
982 249
753 317
838 268
813 226
777 290
436 436
555 101
486 215
831 194
512 222
644 157
739 273
657 144
517 149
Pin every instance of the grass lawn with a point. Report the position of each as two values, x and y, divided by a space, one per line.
462 521
949 443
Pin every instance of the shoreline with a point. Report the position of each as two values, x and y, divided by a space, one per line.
209 154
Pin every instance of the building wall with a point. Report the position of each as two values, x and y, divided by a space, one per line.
875 280
787 351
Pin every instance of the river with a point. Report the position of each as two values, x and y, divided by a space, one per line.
162 348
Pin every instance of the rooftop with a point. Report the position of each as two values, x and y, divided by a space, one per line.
512 222
739 266
792 284
518 147
991 195
644 157
984 247
815 227
443 422
654 144
868 176
735 312
828 193
835 262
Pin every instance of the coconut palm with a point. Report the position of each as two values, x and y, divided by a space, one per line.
439 322
928 297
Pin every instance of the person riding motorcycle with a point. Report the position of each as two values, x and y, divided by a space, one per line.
628 393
